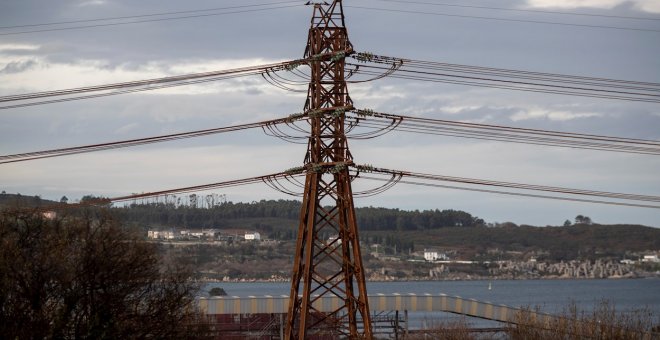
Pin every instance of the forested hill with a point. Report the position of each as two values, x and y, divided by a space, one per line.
279 213
287 212
447 229
18 200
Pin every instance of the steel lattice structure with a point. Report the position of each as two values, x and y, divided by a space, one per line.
328 266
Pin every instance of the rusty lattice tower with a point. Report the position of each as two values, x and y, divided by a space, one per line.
327 261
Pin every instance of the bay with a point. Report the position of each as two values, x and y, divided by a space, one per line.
551 296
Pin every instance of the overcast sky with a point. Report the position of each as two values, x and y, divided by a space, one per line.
72 58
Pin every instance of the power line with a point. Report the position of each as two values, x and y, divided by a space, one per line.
513 185
203 187
522 140
143 85
521 186
146 15
384 121
146 20
504 19
410 69
103 201
157 83
509 79
519 194
381 121
514 88
523 130
520 10
117 92
520 74
363 171
146 82
28 156
519 84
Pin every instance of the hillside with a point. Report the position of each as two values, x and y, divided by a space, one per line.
18 200
398 231
547 243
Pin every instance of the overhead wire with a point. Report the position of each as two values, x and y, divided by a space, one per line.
522 140
396 67
519 194
146 82
520 10
522 186
514 88
517 74
21 157
379 121
145 20
382 123
610 89
203 187
141 85
147 15
504 19
133 90
395 176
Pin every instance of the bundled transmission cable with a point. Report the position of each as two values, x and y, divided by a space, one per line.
106 201
377 120
510 193
508 79
521 186
156 83
103 22
489 18
135 142
408 2
141 85
203 187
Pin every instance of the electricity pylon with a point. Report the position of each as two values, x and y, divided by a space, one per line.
327 261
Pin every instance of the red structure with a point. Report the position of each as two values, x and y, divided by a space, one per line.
328 267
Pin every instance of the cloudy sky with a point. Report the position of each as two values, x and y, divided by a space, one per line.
57 58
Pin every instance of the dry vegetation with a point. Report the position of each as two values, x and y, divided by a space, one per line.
603 322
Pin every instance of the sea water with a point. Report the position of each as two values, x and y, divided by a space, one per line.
551 296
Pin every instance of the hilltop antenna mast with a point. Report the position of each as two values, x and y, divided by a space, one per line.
327 267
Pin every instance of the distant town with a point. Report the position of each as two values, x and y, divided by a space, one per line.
384 263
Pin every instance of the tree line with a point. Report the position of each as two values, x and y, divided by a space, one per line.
368 218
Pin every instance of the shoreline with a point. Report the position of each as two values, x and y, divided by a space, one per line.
554 278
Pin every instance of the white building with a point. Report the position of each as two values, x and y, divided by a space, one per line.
252 236
430 255
160 234
433 255
651 258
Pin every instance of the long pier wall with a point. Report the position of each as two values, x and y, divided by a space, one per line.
377 303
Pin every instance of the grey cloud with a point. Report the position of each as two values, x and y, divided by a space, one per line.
283 33
18 66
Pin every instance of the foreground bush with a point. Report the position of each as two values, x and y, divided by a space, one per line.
87 277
